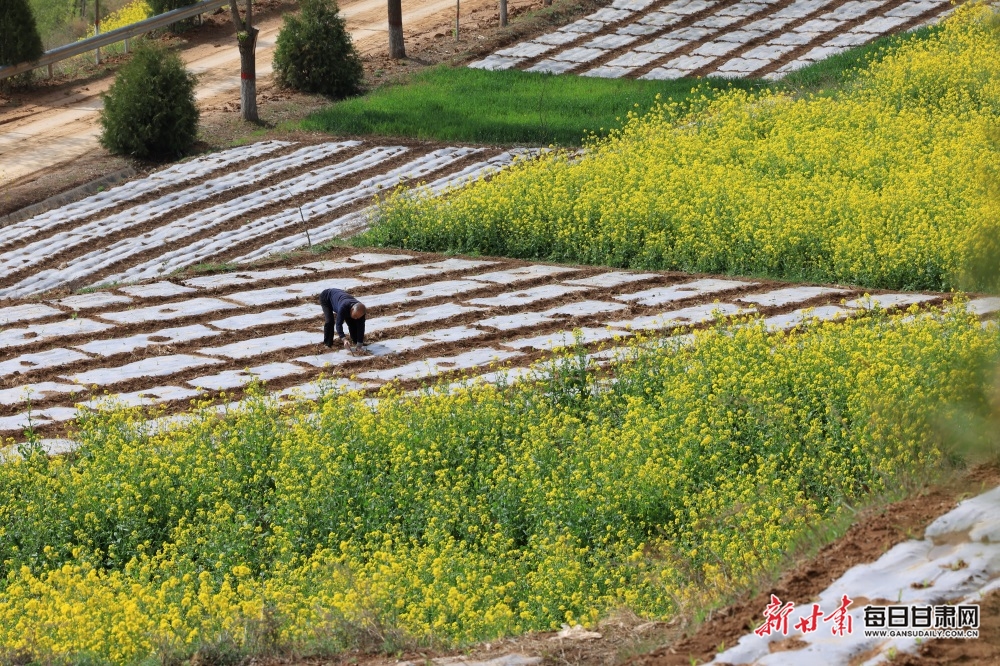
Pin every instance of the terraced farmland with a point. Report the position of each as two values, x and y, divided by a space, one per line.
169 341
527 445
376 487
150 337
671 39
232 206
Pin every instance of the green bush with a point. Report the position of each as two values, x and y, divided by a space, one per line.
150 112
21 41
314 52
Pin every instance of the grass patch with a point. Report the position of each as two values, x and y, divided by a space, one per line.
104 286
511 107
211 267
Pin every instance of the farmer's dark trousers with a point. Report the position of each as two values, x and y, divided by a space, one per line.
331 318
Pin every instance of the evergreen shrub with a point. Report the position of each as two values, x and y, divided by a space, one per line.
150 111
314 52
21 41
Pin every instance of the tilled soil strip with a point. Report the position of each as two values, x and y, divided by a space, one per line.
800 51
763 39
666 278
787 28
416 150
250 245
61 258
711 68
333 187
487 290
611 28
328 228
691 46
167 189
444 349
350 214
956 651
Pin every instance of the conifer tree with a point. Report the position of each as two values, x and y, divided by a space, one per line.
315 53
19 38
150 111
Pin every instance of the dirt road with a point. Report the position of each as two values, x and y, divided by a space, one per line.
58 128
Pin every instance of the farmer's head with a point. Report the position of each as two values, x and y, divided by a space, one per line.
358 311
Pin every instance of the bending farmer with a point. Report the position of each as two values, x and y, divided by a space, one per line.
339 307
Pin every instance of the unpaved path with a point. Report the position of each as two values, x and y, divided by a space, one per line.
60 127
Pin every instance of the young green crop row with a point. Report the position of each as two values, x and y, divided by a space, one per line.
450 518
883 183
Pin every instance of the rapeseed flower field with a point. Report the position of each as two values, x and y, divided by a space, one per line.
881 183
446 518
133 12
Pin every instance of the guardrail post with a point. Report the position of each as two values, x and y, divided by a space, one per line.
126 45
97 29
50 70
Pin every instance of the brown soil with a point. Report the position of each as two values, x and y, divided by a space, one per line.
984 651
872 534
800 50
695 44
611 28
58 180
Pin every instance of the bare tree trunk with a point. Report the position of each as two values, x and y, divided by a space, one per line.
246 40
396 47
503 13
97 29
248 75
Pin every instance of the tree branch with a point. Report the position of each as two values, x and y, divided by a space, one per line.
237 21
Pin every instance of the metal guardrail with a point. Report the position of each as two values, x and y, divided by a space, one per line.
108 38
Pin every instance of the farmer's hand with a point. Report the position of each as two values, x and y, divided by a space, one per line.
347 343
